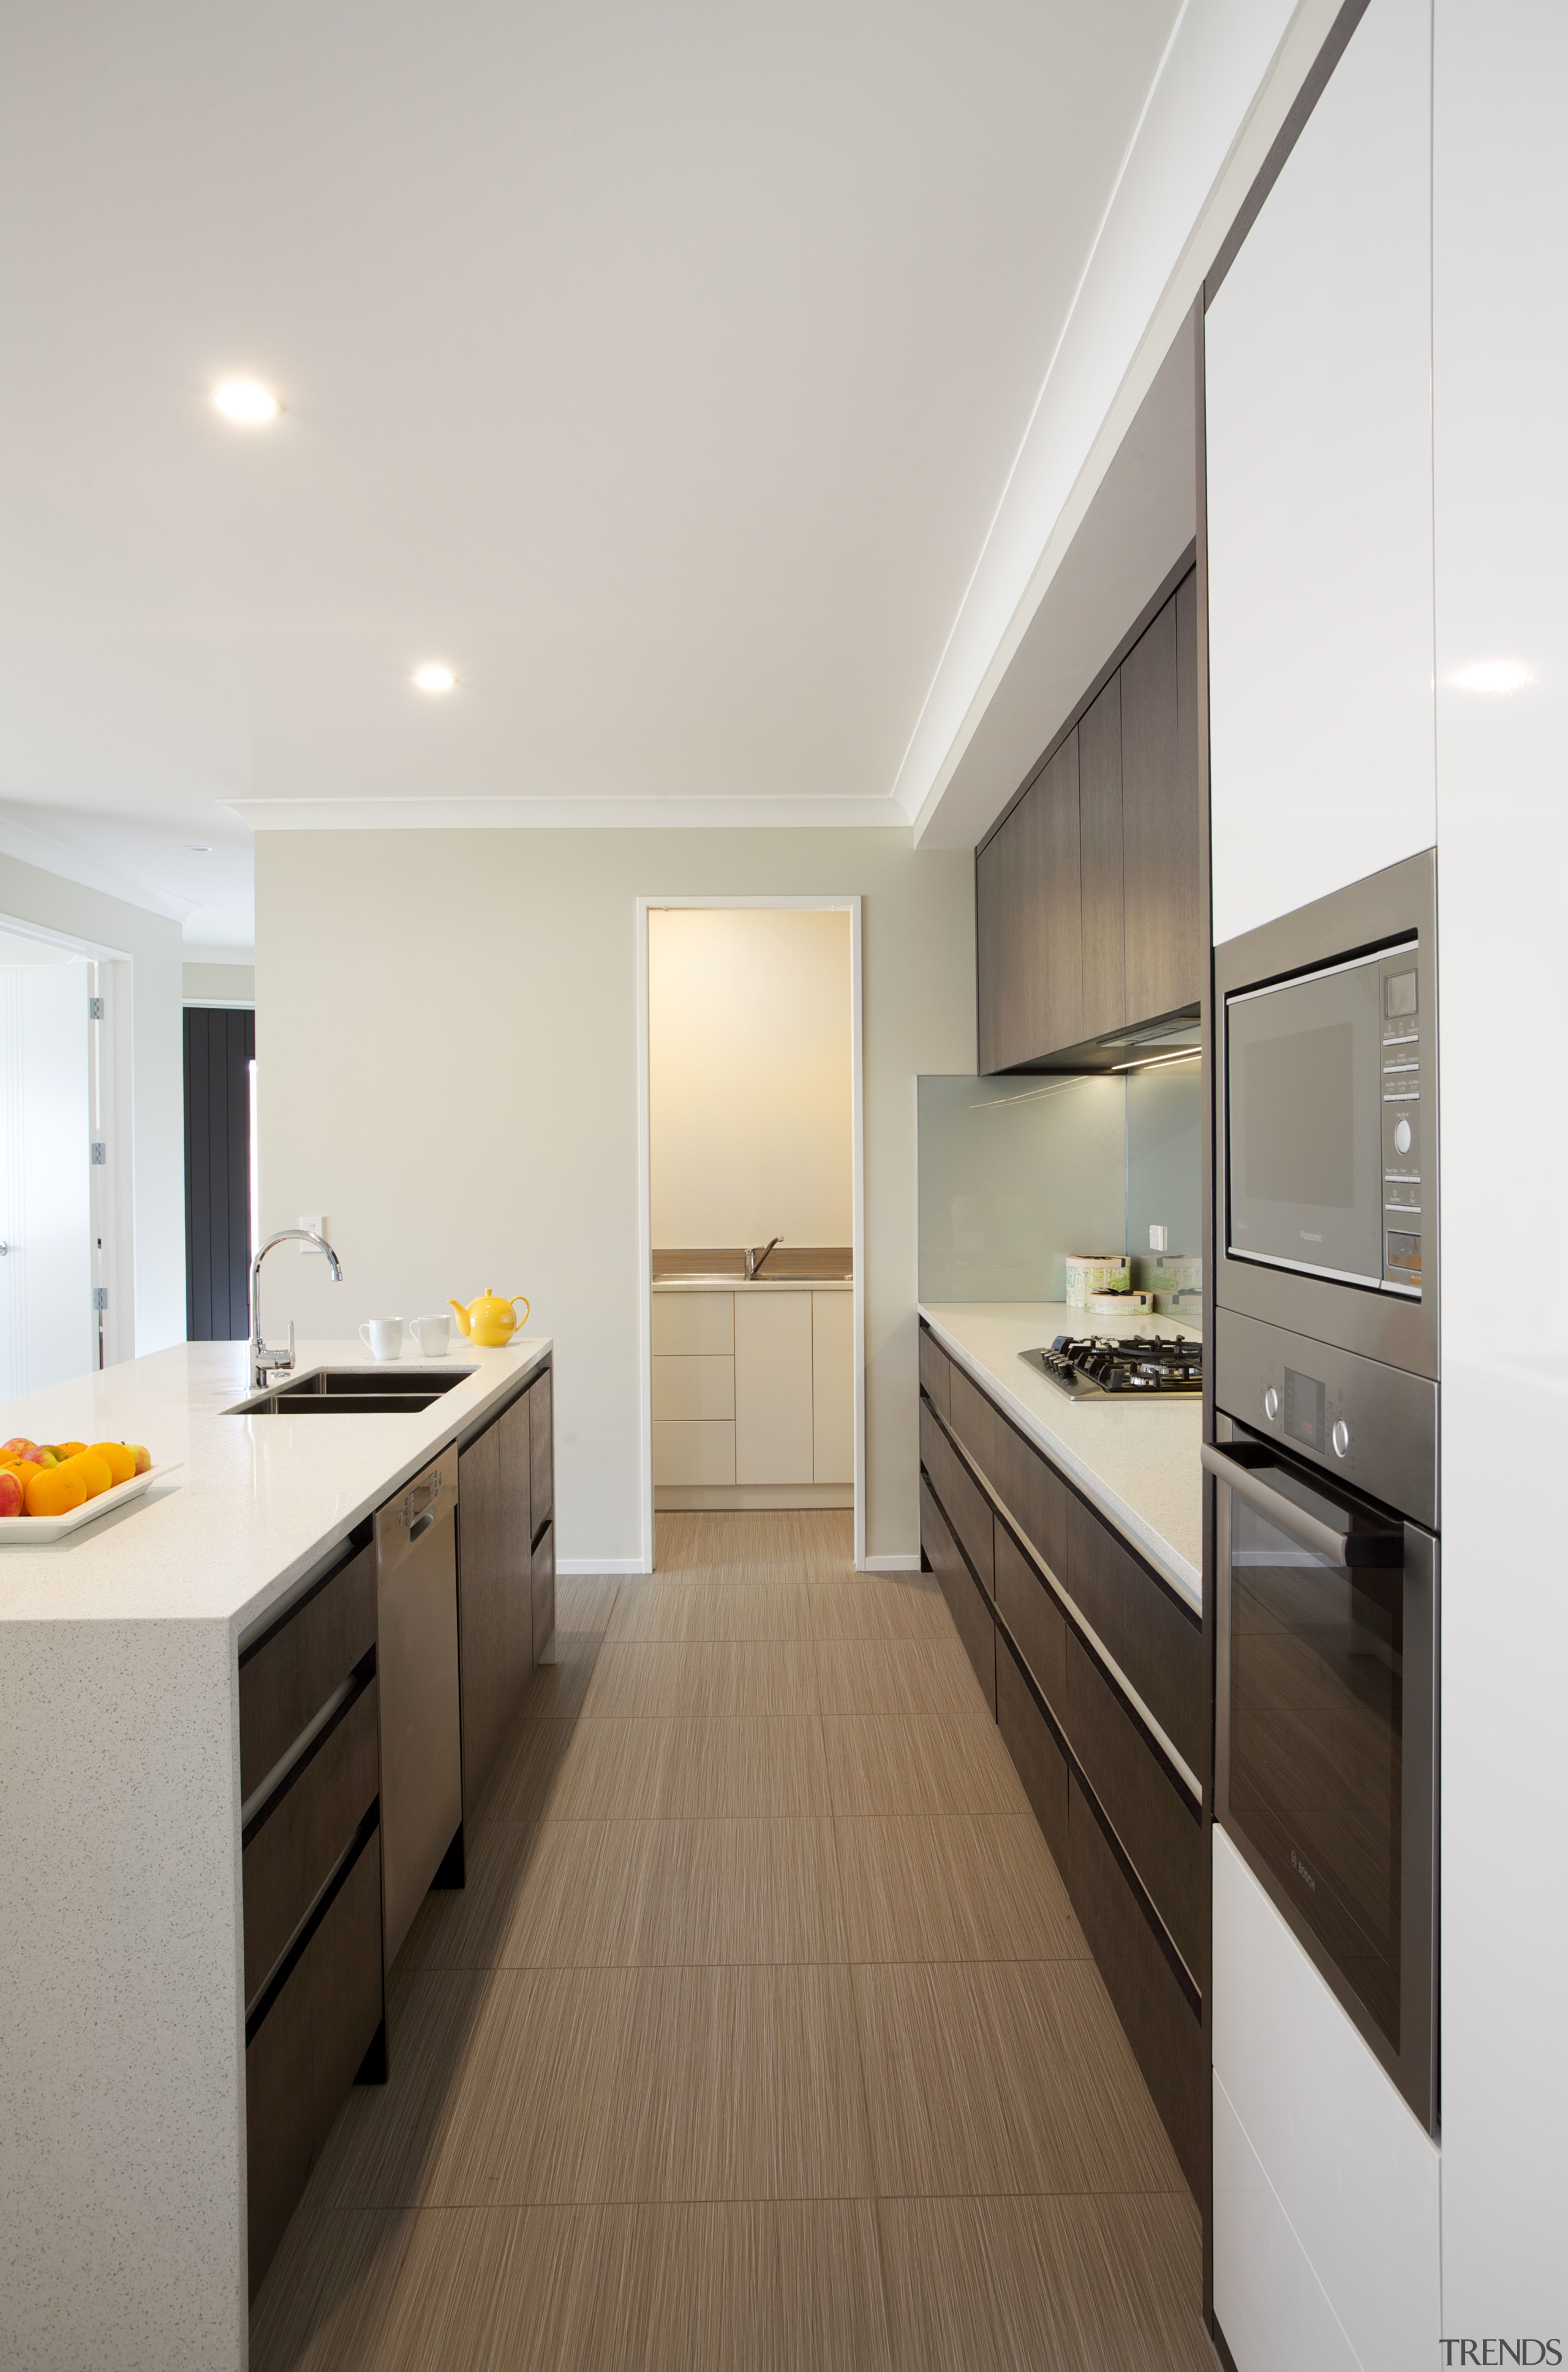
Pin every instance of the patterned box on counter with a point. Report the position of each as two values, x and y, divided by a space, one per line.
1096 1273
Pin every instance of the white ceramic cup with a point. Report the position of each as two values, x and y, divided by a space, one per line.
385 1336
433 1336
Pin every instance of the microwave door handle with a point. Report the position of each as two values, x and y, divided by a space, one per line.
1387 1548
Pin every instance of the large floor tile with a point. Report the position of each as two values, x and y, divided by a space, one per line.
586 1601
557 1690
896 1676
711 1677
957 1888
811 1544
879 1606
711 1609
522 1784
1003 2076
1106 2285
750 1766
919 1763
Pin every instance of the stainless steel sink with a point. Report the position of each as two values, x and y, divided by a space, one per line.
353 1391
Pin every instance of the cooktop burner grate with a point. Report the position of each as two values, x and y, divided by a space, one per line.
1100 1367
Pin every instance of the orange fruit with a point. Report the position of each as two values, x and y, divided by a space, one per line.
94 1469
68 1448
55 1490
121 1462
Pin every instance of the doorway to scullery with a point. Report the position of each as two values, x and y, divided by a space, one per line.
753 1383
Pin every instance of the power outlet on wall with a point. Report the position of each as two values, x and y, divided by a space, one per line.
320 1225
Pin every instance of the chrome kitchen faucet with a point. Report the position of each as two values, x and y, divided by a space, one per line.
754 1259
262 1359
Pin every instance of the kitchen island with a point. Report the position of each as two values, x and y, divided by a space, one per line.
123 2010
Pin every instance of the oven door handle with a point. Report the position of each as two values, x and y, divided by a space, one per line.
1384 1548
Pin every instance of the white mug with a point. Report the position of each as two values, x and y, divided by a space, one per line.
385 1336
432 1334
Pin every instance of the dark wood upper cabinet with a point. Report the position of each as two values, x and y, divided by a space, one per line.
1088 913
1100 832
1159 814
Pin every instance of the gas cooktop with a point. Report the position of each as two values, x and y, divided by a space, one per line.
1097 1368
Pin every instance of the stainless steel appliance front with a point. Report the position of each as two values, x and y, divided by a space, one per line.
1325 1681
416 1661
1326 1153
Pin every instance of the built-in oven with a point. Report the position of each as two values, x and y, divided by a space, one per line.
1325 1697
1326 1152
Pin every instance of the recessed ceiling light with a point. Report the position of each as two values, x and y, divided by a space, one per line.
434 676
1492 675
198 848
247 402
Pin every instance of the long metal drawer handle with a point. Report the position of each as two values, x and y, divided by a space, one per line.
1385 1549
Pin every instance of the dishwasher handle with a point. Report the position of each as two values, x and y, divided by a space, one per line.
429 1499
1347 1548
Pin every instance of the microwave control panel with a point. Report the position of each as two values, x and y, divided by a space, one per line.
1401 980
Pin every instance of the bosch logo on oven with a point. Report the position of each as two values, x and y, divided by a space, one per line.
1302 1872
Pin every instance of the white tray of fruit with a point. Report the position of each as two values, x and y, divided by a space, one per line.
50 1488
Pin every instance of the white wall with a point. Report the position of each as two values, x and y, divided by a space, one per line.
447 1067
1500 363
749 1112
154 1076
1319 385
218 983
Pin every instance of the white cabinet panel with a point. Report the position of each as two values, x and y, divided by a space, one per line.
773 1388
833 1388
692 1323
1268 2301
688 1449
694 1386
1318 398
1355 2173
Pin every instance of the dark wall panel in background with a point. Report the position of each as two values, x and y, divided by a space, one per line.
219 1047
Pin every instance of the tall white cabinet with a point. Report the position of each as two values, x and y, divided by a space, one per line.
753 1397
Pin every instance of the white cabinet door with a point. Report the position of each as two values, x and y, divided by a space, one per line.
833 1388
773 1386
690 1449
692 1323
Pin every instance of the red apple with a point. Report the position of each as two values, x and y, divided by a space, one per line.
11 1501
39 1455
142 1454
15 1447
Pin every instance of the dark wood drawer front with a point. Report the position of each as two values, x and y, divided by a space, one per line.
973 1420
296 1847
541 1449
1034 1619
1159 1825
937 1456
1165 2032
292 1670
1037 1758
968 1511
1156 1643
1035 1494
543 1590
301 2062
934 1371
970 1613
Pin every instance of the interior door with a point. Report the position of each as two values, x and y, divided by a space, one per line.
46 1316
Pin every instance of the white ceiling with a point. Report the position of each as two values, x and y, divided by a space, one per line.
661 370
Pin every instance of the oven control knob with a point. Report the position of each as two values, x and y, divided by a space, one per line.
1339 1436
1402 1136
1270 1404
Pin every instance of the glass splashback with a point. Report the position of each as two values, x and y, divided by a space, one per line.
1015 1173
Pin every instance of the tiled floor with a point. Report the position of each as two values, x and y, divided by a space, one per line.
763 2033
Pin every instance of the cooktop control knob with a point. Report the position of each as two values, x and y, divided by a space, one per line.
1339 1436
1402 1136
1270 1404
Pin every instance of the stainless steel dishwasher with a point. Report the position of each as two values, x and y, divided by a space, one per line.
416 1663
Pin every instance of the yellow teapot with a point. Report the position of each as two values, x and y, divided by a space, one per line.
489 1321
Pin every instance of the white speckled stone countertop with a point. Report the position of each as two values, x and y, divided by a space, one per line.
757 1284
1139 1465
257 1501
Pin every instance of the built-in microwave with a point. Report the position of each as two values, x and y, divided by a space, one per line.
1326 1152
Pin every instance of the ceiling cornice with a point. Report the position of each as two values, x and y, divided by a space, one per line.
569 814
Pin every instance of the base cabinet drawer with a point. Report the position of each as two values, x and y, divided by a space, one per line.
543 1587
541 1400
693 1449
934 1371
1035 1620
1037 1758
1159 1823
968 1509
301 2059
1164 2029
966 1602
1035 1496
294 1842
287 1675
1157 1643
